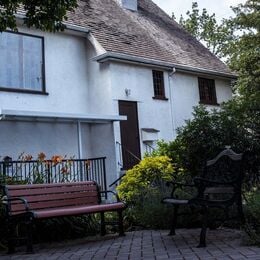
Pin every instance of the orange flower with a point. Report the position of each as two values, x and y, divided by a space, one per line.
27 157
56 159
87 162
41 156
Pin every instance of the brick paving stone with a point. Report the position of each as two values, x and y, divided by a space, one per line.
253 256
174 255
223 244
237 257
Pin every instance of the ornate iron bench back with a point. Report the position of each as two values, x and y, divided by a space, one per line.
223 177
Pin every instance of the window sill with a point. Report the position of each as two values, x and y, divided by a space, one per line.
161 98
209 103
25 91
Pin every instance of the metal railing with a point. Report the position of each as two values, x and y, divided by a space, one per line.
115 182
126 158
49 171
126 161
149 149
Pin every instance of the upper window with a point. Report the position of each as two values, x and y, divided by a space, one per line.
21 62
207 91
158 84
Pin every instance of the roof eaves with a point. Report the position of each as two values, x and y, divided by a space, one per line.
130 59
190 69
113 56
76 28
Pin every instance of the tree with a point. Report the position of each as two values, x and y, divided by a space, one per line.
245 60
245 50
205 28
238 40
43 15
238 121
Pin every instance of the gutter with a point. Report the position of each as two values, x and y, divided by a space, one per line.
130 59
68 26
76 28
114 56
40 116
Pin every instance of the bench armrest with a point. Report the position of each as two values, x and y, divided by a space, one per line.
176 185
179 184
6 200
112 192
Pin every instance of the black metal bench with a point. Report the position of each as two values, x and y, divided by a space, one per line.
219 186
26 203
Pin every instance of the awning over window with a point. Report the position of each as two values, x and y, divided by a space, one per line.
38 116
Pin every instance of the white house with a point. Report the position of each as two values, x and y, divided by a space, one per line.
69 92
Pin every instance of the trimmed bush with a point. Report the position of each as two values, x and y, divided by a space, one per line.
143 187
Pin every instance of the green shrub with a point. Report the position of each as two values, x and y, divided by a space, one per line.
207 134
143 176
143 188
252 226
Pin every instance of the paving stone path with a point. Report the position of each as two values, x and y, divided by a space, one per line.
148 244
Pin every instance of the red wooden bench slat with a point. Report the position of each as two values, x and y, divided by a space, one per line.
49 190
64 196
37 186
45 196
72 211
56 203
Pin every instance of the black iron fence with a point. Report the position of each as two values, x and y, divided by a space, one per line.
53 171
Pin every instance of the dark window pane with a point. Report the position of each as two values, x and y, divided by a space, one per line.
158 84
207 91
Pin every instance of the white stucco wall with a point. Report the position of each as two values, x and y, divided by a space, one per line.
103 142
185 95
65 76
35 137
108 81
152 113
99 83
77 84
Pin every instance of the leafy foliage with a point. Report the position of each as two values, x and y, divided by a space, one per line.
206 29
142 176
245 53
207 134
143 188
253 212
43 15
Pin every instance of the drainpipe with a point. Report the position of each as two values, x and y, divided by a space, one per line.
170 75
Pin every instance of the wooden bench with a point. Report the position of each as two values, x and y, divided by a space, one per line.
27 203
219 186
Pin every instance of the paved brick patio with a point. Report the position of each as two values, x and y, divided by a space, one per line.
148 244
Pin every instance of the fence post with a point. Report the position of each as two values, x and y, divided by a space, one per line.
105 177
6 163
48 173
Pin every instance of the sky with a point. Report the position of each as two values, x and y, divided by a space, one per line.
220 7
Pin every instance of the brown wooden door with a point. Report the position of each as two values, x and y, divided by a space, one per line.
129 134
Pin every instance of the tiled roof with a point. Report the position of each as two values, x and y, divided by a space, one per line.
149 33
